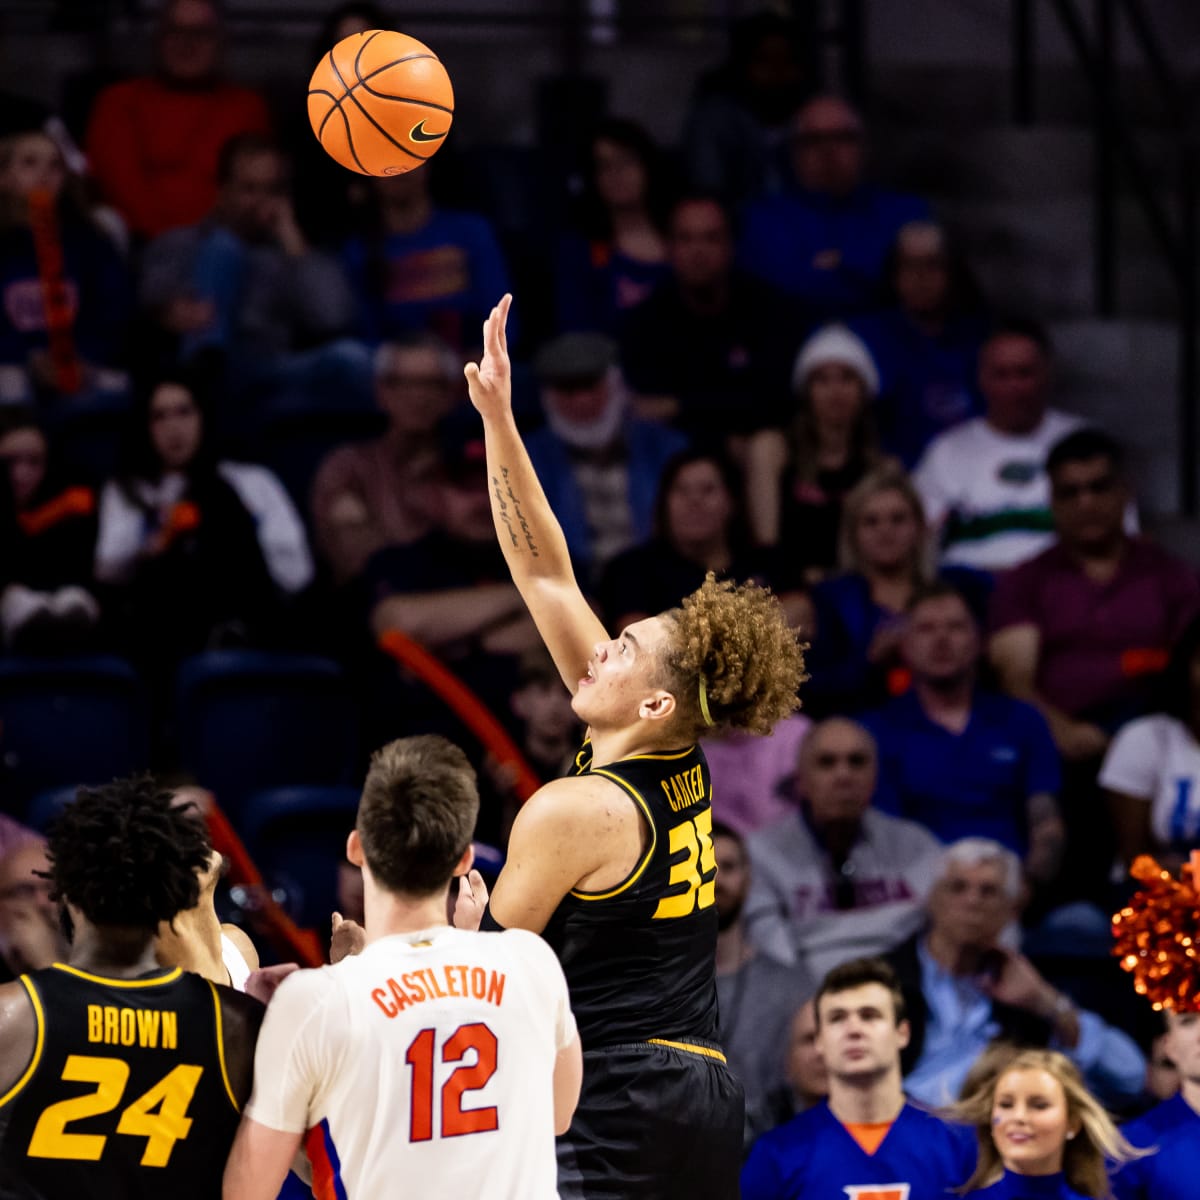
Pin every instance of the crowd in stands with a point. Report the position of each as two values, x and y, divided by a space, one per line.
232 415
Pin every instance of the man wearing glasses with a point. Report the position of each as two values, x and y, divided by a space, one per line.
839 879
826 241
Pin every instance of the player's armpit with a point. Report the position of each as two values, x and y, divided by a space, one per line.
565 832
258 1162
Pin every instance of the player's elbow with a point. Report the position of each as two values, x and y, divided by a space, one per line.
568 1077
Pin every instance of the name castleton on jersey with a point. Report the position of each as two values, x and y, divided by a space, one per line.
640 957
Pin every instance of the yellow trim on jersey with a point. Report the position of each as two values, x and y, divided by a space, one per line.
39 1041
221 1045
641 867
169 977
707 1051
658 757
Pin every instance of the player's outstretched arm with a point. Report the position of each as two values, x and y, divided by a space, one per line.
529 533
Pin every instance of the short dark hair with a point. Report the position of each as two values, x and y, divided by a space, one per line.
1021 327
720 829
126 856
859 972
1083 445
417 813
243 145
938 589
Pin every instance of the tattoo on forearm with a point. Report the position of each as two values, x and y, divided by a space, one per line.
508 511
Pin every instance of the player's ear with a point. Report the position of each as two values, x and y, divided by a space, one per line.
354 850
903 1034
466 862
658 706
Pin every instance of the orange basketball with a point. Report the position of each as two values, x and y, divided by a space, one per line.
380 102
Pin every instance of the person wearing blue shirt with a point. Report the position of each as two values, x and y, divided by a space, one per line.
1041 1134
926 344
965 986
826 242
424 267
866 1139
960 760
1173 1127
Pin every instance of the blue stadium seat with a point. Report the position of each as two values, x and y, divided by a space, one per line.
250 720
45 806
68 721
297 836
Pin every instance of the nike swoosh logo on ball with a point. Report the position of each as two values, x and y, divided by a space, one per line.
418 133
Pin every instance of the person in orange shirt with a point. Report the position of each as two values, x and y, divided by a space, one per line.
153 141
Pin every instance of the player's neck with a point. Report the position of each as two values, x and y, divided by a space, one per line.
867 1102
1190 1091
612 745
118 953
386 914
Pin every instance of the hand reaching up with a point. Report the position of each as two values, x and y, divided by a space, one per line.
489 383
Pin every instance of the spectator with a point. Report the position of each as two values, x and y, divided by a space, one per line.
855 658
826 241
698 529
958 758
88 313
1151 771
1041 1133
736 133
926 342
46 600
420 267
806 1081
753 777
838 878
796 480
1082 629
757 996
451 590
984 482
964 987
244 284
620 252
710 348
550 730
327 196
1172 1128
599 466
866 1139
30 933
153 142
368 495
193 547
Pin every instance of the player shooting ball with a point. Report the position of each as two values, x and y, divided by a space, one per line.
615 865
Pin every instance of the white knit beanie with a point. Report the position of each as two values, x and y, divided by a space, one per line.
836 344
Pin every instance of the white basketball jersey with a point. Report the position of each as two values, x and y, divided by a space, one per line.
425 1063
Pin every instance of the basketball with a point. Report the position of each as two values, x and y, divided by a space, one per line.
380 102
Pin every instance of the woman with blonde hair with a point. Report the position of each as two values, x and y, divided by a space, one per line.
1042 1134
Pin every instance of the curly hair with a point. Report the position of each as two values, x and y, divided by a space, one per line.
124 855
736 640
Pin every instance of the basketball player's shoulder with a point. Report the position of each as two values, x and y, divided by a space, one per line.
571 805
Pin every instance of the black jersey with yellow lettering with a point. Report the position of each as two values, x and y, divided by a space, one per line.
639 957
126 1096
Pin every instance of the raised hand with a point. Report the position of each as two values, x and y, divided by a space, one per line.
489 383
471 901
349 938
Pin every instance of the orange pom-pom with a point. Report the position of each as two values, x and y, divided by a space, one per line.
1156 935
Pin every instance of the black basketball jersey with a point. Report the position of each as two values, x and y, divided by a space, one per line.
640 957
126 1096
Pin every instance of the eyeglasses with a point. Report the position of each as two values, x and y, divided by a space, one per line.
1104 486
